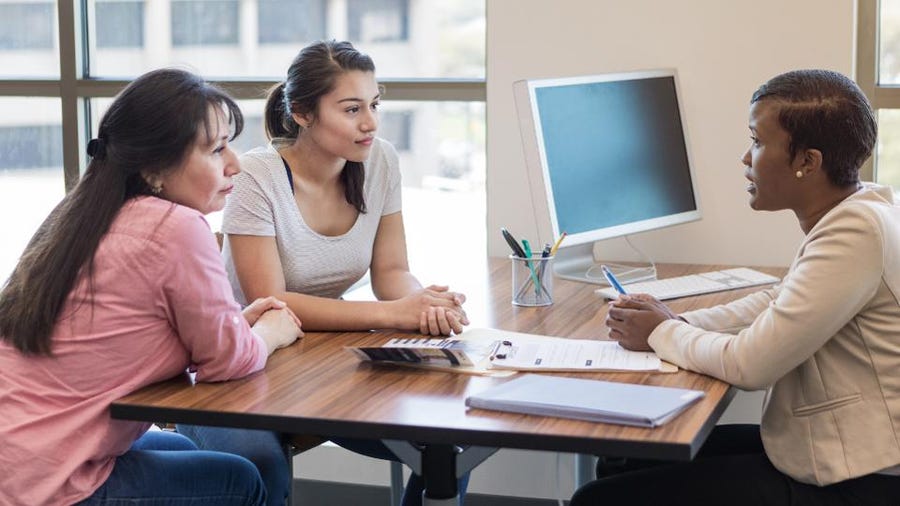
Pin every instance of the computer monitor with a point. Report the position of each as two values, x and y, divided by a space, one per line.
607 156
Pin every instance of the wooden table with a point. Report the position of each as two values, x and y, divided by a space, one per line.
315 387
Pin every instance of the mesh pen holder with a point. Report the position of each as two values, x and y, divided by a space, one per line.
532 281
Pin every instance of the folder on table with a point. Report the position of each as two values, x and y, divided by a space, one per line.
583 399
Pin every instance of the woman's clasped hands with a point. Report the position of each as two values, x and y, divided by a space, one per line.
274 321
434 310
632 318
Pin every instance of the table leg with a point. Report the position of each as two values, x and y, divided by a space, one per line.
439 465
439 473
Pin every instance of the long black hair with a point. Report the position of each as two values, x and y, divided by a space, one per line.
147 131
312 74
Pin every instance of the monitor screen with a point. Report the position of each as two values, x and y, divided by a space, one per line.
607 155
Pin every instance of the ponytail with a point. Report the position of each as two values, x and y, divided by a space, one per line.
278 120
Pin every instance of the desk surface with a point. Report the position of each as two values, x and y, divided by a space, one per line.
315 387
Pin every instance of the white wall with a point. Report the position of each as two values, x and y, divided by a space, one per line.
723 50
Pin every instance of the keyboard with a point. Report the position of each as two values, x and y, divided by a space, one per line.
695 284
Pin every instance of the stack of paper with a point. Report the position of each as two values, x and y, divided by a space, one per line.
596 401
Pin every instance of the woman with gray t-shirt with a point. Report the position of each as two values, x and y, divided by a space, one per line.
310 214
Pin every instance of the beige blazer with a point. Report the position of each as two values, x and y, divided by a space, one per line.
826 340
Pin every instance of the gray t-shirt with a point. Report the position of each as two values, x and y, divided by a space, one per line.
325 266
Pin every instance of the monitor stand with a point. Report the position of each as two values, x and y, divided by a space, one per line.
577 264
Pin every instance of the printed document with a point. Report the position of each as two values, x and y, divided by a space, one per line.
532 352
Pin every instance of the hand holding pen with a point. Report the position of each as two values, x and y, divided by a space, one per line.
632 318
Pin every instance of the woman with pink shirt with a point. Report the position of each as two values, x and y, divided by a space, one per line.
123 286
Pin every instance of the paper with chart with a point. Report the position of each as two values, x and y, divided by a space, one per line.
531 352
460 354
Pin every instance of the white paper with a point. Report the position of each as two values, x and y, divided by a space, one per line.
574 354
532 352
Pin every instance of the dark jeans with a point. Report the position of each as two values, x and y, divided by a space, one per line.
264 448
163 468
731 468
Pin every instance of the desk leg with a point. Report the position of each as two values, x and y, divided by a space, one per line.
439 465
439 473
585 466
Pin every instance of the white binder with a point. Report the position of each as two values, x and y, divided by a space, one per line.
592 400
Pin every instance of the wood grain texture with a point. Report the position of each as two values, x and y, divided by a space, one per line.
315 387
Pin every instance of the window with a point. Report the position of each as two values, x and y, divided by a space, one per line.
30 147
31 176
203 22
120 23
289 21
257 39
433 112
27 25
878 74
396 127
378 20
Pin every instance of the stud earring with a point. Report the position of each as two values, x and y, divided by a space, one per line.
156 189
799 174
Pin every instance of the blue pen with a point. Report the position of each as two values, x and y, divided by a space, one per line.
613 282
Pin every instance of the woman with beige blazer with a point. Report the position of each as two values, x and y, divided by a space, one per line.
825 341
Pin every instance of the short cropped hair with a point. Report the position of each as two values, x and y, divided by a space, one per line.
824 110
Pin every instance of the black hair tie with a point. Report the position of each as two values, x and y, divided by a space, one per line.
96 148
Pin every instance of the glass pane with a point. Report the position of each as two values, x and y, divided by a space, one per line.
204 22
28 39
31 174
442 159
370 21
887 158
889 42
120 22
259 38
290 21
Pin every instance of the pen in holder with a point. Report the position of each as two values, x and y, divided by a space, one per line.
532 280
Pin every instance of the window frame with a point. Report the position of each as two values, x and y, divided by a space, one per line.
75 87
867 55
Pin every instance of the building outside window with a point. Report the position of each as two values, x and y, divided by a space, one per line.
378 20
27 25
120 23
291 21
204 22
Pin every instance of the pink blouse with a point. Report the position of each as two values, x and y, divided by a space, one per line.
161 304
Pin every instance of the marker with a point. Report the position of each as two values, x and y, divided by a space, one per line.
513 243
534 278
613 282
